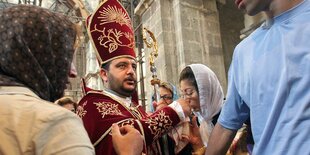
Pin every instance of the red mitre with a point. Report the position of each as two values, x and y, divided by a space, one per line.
111 32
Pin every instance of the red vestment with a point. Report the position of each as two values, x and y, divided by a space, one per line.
99 110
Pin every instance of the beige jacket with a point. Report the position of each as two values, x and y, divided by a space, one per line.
30 125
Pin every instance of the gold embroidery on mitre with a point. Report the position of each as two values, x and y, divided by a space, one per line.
106 108
80 111
159 124
111 38
114 14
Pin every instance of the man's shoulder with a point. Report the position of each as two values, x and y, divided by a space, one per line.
97 96
257 33
50 111
35 109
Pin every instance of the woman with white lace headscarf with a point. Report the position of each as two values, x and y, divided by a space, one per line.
201 88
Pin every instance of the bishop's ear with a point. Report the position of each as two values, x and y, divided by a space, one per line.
104 75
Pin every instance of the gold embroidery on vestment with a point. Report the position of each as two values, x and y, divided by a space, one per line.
106 108
125 122
159 124
135 111
80 111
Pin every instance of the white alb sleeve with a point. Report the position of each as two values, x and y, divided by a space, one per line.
178 108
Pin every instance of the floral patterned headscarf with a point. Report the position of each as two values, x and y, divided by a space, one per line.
36 50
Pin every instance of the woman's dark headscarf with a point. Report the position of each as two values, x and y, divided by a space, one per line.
36 50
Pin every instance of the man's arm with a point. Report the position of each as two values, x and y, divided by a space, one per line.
220 140
127 140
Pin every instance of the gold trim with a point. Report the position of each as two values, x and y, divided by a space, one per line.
108 131
129 121
115 99
121 56
136 112
89 33
142 132
92 42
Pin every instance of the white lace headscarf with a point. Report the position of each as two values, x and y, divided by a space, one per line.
211 98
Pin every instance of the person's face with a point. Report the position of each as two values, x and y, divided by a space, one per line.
165 96
189 93
121 76
72 72
69 107
252 7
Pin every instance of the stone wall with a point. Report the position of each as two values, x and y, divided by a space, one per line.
187 31
231 23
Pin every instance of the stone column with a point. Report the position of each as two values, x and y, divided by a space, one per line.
187 32
199 40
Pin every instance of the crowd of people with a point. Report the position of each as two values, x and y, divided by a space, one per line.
268 89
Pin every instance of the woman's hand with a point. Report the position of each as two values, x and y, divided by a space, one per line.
194 137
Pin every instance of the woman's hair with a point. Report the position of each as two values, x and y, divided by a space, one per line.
167 86
66 100
188 74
